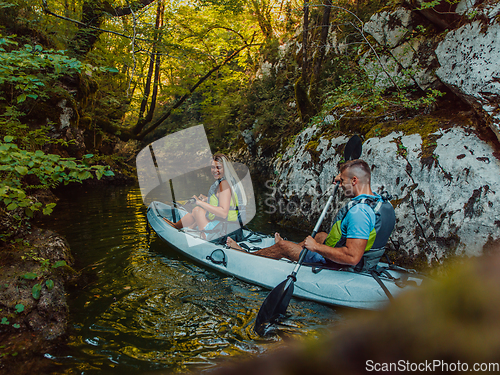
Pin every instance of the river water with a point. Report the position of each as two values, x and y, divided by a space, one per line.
142 307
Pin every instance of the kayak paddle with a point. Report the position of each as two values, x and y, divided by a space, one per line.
277 301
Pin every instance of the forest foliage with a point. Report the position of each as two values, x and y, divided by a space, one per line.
142 69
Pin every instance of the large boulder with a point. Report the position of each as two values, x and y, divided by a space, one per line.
402 55
444 189
469 59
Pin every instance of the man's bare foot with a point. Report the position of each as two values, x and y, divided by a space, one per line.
277 237
169 222
233 245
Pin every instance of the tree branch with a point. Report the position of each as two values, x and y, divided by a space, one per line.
124 11
179 102
79 23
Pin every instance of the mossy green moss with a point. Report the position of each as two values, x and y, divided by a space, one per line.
304 104
423 125
312 148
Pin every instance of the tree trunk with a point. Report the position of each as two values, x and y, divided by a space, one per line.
305 37
93 13
442 15
262 11
320 55
154 68
302 99
145 131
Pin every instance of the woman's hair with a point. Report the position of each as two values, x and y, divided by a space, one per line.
231 176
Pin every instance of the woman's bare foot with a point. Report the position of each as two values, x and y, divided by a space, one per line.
233 244
277 237
169 222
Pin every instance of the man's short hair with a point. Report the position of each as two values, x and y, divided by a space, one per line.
358 164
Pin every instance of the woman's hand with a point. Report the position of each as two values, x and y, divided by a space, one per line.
197 200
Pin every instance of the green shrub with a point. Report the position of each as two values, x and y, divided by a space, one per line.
20 168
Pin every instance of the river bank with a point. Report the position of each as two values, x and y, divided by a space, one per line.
36 272
142 306
34 276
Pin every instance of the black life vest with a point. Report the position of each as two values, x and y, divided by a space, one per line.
385 219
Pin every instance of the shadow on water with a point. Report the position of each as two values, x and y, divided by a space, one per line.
144 307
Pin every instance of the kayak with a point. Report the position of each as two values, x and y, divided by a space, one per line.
338 287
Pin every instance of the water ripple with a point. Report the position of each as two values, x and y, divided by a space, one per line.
146 307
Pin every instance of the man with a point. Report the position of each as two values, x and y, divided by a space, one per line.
360 232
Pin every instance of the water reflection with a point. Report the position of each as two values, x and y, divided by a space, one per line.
145 307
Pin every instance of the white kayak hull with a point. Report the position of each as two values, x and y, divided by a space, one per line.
334 287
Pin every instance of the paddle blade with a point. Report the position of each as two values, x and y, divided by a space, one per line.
353 148
274 305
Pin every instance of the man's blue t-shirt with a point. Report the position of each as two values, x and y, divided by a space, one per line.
360 220
358 223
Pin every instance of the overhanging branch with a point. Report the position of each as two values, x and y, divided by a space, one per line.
82 24
159 121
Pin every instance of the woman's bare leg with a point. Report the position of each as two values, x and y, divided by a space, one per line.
234 245
185 221
200 217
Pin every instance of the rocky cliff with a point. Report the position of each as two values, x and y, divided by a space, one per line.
441 165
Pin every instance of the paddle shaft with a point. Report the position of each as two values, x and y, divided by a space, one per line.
173 200
304 251
277 301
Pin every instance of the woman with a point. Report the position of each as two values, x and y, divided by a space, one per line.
222 202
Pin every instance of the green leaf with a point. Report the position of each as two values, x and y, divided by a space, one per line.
47 211
5 158
15 326
29 211
88 156
83 175
29 276
8 138
12 206
36 291
22 170
99 173
4 321
49 284
59 263
19 308
21 98
109 173
25 203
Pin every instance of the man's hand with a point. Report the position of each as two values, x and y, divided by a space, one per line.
310 244
350 254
